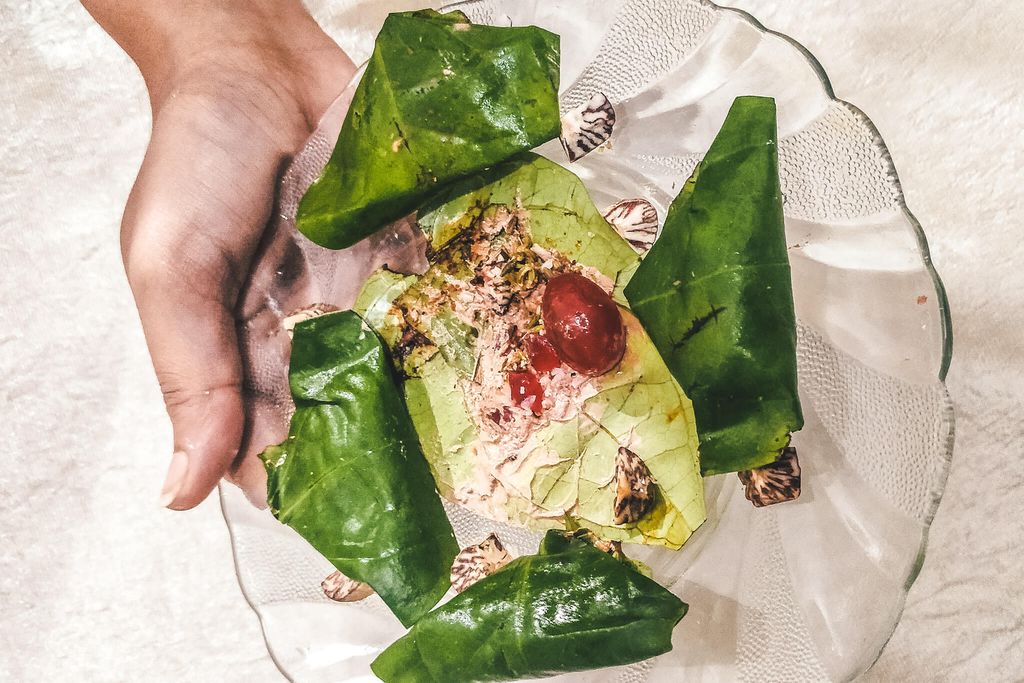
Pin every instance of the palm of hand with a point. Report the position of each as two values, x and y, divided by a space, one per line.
212 273
289 273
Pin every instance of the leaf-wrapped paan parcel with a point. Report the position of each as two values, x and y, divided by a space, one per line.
351 477
714 293
560 468
571 607
440 98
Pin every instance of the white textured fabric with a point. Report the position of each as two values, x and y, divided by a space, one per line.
98 583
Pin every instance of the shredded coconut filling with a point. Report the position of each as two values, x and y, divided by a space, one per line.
502 302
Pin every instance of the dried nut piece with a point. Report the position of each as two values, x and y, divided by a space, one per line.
636 220
478 561
588 127
340 588
613 548
308 312
634 489
776 482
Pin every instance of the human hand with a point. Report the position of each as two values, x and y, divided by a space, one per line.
236 88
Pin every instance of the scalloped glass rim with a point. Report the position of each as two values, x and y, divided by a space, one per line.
939 290
922 239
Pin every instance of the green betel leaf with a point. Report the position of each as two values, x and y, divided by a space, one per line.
441 98
571 607
714 293
565 469
351 477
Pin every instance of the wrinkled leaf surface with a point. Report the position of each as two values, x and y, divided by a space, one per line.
351 477
567 467
570 607
715 295
440 98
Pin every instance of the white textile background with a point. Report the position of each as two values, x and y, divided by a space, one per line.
97 583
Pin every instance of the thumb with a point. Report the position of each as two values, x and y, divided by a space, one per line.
195 355
187 247
192 341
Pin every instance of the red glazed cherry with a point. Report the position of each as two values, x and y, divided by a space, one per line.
526 388
543 356
583 324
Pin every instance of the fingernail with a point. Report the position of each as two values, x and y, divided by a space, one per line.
175 478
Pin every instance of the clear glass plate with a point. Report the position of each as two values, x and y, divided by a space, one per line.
808 590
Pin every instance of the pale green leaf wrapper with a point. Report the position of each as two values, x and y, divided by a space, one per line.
638 403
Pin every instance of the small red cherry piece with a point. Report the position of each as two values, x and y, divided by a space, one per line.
543 356
526 391
583 324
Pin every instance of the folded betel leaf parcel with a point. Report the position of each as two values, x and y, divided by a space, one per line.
440 98
351 478
512 430
715 295
570 607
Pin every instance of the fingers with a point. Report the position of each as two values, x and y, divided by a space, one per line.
191 227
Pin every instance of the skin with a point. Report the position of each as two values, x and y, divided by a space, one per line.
236 87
